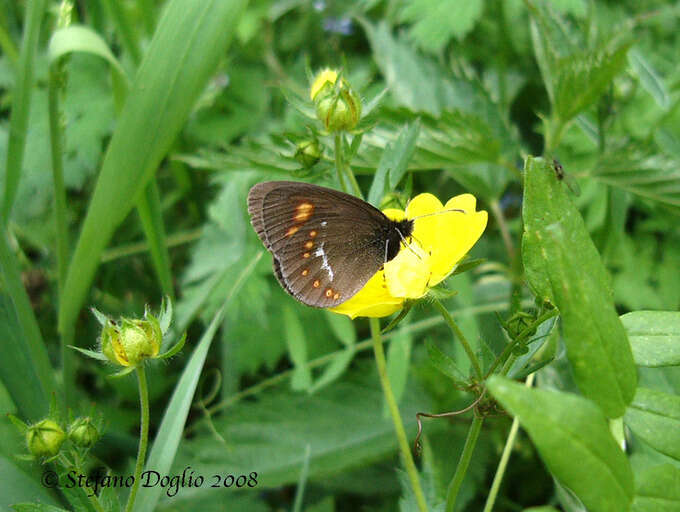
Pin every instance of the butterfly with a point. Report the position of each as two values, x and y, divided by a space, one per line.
326 244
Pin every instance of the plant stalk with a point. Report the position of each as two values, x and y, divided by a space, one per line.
143 435
404 447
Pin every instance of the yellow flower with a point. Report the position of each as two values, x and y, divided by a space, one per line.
437 244
325 76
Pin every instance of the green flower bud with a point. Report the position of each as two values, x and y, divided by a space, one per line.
83 432
131 342
44 439
308 153
337 107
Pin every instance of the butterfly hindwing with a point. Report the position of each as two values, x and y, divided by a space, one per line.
326 244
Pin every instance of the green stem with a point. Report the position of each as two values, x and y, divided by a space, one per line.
526 332
143 435
338 163
463 463
62 242
8 47
461 337
343 168
503 463
553 135
404 447
126 32
21 105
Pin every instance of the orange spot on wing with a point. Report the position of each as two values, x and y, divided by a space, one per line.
329 293
303 212
305 272
292 231
312 234
316 283
336 296
306 255
309 245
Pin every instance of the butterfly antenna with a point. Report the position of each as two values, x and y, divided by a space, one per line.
438 213
408 245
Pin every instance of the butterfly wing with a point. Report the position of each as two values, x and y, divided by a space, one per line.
326 244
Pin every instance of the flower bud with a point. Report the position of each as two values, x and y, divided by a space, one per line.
337 107
131 342
308 153
44 439
83 432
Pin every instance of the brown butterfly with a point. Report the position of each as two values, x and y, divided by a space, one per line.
326 244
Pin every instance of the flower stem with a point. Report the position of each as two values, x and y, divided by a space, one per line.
338 163
143 435
404 447
503 463
343 169
463 463
461 337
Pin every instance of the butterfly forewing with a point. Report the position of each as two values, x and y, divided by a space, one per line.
325 243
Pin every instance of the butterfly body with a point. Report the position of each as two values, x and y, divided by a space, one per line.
326 244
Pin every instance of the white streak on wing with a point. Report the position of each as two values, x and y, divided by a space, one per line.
323 223
320 252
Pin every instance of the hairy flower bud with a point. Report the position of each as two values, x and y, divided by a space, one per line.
44 439
83 432
308 153
338 107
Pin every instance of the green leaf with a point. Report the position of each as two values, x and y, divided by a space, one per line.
189 42
25 366
413 81
649 78
654 337
657 488
563 265
582 78
445 364
398 364
16 485
573 439
435 22
393 162
343 424
342 327
36 507
650 175
297 347
655 417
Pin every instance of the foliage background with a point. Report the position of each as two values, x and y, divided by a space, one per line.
479 83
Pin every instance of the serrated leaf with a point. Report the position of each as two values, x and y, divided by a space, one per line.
563 265
573 439
649 175
435 22
654 337
657 488
583 77
655 417
445 364
649 78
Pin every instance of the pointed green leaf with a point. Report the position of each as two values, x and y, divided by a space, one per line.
297 347
393 162
649 78
563 265
573 439
445 363
654 337
655 417
187 46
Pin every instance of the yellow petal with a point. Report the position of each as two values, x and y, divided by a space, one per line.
407 275
373 300
457 233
